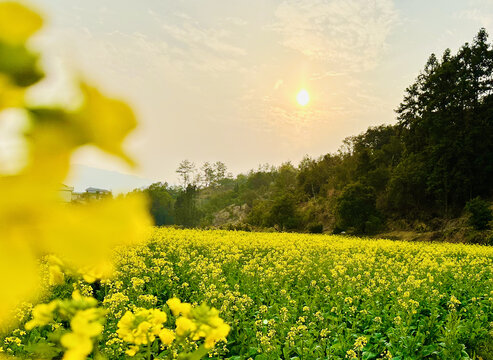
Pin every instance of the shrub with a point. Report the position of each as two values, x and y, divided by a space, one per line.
480 213
355 208
315 228
373 225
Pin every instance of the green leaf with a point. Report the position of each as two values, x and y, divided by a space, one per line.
196 355
368 355
19 64
44 349
252 351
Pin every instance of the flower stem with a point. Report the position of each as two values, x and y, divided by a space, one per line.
148 348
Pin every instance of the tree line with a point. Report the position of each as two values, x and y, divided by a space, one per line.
430 164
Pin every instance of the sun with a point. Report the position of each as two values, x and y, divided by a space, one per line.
303 97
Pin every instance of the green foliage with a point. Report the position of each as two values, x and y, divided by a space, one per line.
259 180
258 214
315 228
484 348
407 186
316 176
160 202
20 63
213 174
373 225
446 121
480 213
186 171
283 213
186 212
355 209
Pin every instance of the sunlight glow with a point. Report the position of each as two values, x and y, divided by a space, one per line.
303 97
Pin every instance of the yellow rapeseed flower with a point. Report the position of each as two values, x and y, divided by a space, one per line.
17 23
42 315
184 326
178 308
167 336
141 327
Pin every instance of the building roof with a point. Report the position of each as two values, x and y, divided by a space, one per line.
96 190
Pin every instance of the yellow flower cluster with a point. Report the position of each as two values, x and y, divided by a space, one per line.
142 327
360 343
454 302
86 323
199 322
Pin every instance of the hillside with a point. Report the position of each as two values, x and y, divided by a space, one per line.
426 177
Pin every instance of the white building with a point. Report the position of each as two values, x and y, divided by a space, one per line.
95 193
66 193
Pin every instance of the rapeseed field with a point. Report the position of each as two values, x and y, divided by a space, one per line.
296 296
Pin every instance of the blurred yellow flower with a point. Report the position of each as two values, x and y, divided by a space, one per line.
85 325
184 326
10 95
33 221
167 336
42 315
17 23
178 308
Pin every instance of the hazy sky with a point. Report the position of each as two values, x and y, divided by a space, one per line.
217 80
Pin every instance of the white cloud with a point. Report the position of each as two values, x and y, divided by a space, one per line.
203 48
236 21
347 34
479 11
319 76
194 36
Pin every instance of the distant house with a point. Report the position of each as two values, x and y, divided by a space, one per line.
66 193
91 193
77 196
95 193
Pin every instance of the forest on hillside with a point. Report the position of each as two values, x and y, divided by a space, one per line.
433 165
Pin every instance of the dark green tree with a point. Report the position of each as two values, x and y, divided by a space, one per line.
161 203
480 213
407 189
356 210
283 214
186 211
446 120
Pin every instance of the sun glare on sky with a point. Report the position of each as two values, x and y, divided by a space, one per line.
303 97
